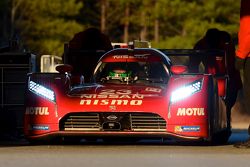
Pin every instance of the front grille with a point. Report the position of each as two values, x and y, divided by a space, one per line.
147 122
121 121
82 122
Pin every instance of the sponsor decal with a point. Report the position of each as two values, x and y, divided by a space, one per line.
112 97
138 56
177 129
190 112
105 102
39 127
187 128
37 111
123 57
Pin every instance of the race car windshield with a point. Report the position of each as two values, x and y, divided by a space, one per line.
131 72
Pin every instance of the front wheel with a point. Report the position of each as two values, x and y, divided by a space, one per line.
221 138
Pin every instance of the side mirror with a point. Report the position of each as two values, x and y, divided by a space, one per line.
64 68
178 69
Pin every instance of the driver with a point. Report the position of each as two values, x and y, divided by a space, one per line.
119 74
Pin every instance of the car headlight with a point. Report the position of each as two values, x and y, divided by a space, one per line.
41 91
186 91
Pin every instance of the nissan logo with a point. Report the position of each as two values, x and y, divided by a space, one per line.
111 117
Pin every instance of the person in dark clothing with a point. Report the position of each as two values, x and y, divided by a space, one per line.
91 39
221 40
89 45
235 82
209 41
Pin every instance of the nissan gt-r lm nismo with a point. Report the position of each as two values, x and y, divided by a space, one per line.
133 93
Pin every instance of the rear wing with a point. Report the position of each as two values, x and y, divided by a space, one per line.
176 55
192 52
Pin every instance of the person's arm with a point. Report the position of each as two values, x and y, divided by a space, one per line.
244 38
194 61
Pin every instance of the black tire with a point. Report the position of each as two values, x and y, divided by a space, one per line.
49 141
221 138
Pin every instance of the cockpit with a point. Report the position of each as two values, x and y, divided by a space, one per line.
131 72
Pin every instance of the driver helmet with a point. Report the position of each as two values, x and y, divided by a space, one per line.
119 74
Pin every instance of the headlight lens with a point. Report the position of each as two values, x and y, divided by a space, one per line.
41 91
186 91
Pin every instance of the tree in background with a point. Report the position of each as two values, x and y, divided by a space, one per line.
182 22
45 25
169 24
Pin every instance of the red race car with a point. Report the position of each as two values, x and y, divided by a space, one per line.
134 93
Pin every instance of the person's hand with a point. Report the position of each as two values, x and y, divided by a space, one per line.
239 63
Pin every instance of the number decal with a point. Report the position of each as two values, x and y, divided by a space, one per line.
107 92
112 92
123 92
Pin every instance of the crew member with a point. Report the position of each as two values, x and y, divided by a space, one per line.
221 40
243 51
91 41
